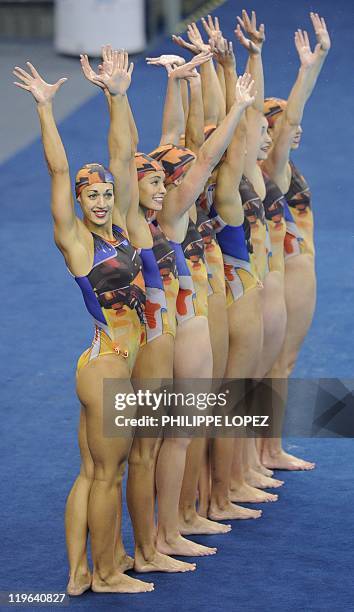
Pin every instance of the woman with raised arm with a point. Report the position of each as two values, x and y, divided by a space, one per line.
155 357
191 307
109 272
284 119
222 199
183 187
267 237
217 312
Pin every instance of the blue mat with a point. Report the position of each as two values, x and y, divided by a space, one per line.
298 556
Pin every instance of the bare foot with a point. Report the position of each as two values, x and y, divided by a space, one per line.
183 547
231 512
284 461
246 494
201 526
162 563
78 586
262 470
255 479
125 563
120 583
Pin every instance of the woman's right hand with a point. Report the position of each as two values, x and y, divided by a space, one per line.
302 43
118 81
187 71
42 92
89 72
244 95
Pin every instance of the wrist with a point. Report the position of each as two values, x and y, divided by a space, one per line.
116 95
44 105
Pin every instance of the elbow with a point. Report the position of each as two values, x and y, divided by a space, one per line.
58 169
207 160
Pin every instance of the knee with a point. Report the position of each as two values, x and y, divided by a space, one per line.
142 455
181 444
87 470
111 475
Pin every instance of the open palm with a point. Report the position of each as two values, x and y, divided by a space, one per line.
41 91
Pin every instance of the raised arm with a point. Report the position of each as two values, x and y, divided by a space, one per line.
195 119
254 45
227 196
224 55
107 67
119 140
214 105
66 224
212 28
180 198
173 118
310 67
253 42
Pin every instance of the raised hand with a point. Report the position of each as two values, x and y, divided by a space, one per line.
166 60
118 82
89 72
244 87
212 28
107 60
223 52
319 25
256 36
303 47
195 38
189 70
41 91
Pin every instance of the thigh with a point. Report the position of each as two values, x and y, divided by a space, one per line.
300 299
193 353
155 359
274 321
219 333
108 453
246 335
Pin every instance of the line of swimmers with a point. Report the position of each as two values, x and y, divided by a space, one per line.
194 261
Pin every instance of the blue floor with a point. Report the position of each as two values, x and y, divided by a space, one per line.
298 556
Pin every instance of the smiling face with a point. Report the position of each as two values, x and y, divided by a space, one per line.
265 141
97 201
152 190
297 138
296 132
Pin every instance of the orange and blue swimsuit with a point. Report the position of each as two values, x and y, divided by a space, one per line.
299 199
286 240
255 217
193 249
114 294
186 299
235 245
162 286
213 255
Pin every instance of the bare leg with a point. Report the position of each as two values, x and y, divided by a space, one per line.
252 459
189 363
240 490
76 518
190 522
109 456
154 363
246 332
204 484
219 333
124 562
300 297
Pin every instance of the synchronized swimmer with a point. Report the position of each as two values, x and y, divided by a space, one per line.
206 241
